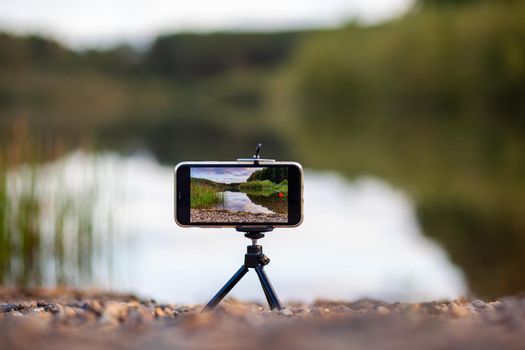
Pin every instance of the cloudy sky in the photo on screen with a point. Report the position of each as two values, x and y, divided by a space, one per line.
223 175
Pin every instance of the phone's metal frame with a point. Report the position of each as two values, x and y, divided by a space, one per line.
240 161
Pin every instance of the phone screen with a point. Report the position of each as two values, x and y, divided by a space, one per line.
232 194
239 195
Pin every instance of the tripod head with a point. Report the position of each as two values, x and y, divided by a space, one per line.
254 232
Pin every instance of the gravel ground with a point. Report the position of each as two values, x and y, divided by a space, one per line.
221 215
66 319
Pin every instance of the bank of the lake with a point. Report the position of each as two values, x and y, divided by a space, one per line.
69 319
221 215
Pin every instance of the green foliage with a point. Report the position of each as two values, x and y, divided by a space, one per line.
442 3
204 196
191 56
434 102
274 174
264 187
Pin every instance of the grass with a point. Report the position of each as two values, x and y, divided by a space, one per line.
204 196
264 188
46 231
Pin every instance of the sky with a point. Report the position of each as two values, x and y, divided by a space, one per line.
223 175
108 22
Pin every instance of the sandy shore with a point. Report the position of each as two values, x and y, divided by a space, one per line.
221 215
80 320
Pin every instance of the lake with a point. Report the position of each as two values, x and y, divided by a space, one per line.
241 201
359 239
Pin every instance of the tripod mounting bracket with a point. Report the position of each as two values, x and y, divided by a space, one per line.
256 159
254 232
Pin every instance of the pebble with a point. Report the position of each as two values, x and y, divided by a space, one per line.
457 310
342 309
53 308
8 307
116 311
382 310
182 309
479 304
69 312
285 312
93 306
443 308
159 312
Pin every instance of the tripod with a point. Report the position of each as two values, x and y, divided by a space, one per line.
254 258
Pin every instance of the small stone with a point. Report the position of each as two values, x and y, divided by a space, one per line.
443 308
182 309
285 312
342 309
496 305
54 308
116 311
382 310
8 307
94 306
159 312
321 311
69 312
479 304
457 310
169 312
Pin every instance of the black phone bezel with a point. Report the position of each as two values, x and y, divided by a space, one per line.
182 194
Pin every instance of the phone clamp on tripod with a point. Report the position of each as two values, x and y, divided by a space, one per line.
256 159
253 259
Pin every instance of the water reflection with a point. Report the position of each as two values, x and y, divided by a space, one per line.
240 201
273 202
359 239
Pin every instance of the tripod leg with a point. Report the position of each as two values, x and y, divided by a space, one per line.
226 289
272 298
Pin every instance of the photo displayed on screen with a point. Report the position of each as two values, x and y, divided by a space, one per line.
237 195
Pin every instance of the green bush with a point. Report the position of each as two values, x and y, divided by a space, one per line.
264 187
204 196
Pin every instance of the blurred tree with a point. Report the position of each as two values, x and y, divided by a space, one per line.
434 102
275 175
190 56
458 2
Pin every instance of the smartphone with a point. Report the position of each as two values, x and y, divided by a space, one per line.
233 194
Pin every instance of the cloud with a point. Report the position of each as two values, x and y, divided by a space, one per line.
223 174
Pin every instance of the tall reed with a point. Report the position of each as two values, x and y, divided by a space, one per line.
46 231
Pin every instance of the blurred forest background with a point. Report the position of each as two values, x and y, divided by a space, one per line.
433 102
